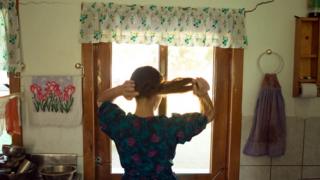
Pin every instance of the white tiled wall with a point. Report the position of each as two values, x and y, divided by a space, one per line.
311 154
301 160
285 172
311 172
254 172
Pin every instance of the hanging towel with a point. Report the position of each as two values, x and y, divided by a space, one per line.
12 116
268 133
54 100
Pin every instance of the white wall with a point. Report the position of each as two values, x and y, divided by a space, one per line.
50 46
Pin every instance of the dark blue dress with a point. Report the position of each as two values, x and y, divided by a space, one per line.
147 146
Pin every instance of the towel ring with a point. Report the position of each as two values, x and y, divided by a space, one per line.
280 59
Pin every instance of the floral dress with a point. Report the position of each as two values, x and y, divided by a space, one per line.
147 146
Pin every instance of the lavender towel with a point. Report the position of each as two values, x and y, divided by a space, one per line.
268 133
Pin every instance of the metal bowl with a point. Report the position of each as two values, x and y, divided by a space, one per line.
58 172
12 150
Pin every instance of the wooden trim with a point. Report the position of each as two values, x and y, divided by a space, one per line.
88 96
295 84
97 77
14 83
228 97
234 131
222 77
163 68
103 58
318 58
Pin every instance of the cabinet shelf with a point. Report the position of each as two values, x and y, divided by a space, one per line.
306 53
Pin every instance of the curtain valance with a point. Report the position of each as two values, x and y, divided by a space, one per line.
164 25
10 59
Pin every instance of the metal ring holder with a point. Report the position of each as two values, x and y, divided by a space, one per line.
280 59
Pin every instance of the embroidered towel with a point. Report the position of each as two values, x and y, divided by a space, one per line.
54 100
268 133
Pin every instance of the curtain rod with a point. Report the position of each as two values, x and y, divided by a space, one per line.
70 3
259 4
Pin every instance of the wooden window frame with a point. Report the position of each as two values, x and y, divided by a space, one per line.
14 87
228 73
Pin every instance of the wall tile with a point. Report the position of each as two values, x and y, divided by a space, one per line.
249 160
254 172
294 146
311 142
286 173
311 172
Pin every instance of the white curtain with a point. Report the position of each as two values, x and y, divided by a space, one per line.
10 59
176 26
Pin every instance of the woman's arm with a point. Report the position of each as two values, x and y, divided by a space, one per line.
207 107
126 89
200 89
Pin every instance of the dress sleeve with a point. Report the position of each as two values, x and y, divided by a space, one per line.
182 127
111 119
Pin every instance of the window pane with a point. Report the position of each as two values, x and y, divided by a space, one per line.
190 62
5 138
125 59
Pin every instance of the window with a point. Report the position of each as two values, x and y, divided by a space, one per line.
134 57
224 156
190 62
182 62
5 138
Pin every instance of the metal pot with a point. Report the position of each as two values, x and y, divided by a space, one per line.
58 172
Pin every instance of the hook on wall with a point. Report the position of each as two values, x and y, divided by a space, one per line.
259 4
80 66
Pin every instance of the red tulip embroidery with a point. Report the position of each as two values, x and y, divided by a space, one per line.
52 98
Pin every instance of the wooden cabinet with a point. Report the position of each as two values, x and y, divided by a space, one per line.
306 53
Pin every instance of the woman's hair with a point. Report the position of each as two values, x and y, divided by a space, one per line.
149 82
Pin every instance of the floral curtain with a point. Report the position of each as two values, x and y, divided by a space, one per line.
10 59
176 26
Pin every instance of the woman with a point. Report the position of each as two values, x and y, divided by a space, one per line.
146 143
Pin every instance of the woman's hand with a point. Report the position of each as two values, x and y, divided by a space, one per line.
200 86
128 90
200 89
